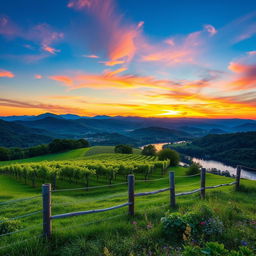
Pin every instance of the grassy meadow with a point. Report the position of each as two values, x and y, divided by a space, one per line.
113 232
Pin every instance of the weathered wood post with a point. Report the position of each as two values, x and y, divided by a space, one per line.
47 225
203 171
172 189
238 175
131 194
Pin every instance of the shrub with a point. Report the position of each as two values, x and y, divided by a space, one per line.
193 169
7 226
173 226
193 225
170 154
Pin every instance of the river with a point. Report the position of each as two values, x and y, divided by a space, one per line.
208 164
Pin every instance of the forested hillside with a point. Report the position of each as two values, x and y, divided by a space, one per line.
233 149
16 135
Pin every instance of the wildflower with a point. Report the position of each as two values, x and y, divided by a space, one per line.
149 226
134 223
244 243
202 222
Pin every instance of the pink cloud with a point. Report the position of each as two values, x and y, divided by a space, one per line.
110 29
37 76
210 29
6 73
245 77
251 53
8 28
172 52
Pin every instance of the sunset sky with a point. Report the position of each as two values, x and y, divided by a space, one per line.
165 58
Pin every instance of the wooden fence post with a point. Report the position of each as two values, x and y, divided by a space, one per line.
203 171
238 175
131 194
172 190
47 225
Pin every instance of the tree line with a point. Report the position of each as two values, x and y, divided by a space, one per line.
56 146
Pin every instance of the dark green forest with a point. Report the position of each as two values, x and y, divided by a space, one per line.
232 149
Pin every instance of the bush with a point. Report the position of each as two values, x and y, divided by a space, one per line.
123 149
193 169
149 150
170 154
201 224
173 226
7 226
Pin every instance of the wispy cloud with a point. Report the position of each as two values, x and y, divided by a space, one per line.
38 105
91 56
210 29
110 29
41 34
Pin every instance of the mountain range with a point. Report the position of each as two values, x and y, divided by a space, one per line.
23 131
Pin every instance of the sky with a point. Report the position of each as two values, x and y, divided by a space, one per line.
179 58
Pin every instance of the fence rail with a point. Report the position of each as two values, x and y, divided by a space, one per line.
152 192
47 201
72 214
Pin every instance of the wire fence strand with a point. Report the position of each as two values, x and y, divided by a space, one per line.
87 188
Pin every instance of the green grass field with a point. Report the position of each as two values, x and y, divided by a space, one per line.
114 230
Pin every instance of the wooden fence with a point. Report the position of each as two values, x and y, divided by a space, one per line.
46 193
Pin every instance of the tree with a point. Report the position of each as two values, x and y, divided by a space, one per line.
170 154
82 143
123 149
149 150
4 154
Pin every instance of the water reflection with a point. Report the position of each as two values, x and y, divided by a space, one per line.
209 164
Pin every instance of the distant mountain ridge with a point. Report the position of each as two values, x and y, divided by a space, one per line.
138 130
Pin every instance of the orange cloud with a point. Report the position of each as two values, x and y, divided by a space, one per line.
111 63
5 73
245 75
112 79
112 73
50 49
63 79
